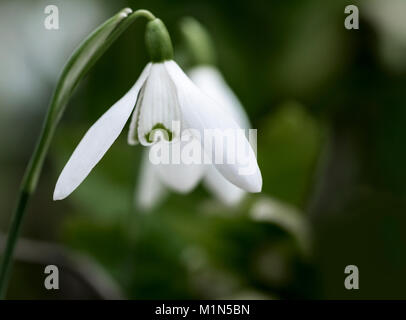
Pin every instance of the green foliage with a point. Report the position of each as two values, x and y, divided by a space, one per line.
289 143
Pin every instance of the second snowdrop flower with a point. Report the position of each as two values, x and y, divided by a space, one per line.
161 95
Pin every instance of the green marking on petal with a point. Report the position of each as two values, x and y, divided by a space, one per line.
150 136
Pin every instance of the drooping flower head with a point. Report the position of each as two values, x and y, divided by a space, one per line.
156 178
163 94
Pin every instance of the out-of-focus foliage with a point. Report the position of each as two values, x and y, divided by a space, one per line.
329 106
292 140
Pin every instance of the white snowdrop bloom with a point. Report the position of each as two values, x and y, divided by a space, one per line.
161 95
211 82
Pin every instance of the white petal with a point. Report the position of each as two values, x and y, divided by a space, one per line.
200 112
221 188
156 108
211 82
177 175
97 141
132 137
150 191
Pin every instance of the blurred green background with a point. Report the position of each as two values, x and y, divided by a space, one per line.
330 108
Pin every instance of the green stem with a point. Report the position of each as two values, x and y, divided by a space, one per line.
83 58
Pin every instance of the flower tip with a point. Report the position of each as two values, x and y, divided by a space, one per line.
258 185
58 195
258 189
254 188
254 184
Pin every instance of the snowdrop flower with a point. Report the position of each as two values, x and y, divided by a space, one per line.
161 95
153 182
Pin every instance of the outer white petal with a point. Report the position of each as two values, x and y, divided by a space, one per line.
150 190
181 178
221 188
201 112
211 82
157 107
179 175
97 141
132 137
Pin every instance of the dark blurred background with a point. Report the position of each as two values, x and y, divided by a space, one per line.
330 108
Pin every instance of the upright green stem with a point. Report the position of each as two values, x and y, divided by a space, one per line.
77 66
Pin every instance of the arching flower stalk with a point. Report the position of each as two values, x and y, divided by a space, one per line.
79 63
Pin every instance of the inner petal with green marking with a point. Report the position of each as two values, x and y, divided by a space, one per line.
157 112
